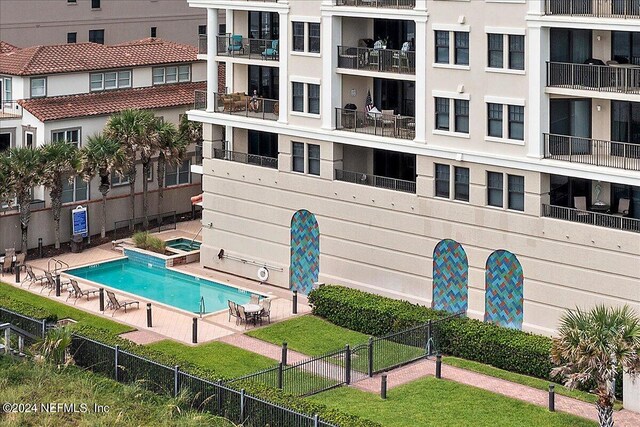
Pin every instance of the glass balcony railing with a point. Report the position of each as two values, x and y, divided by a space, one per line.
589 151
375 181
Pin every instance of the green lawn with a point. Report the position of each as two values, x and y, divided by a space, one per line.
222 358
26 382
444 403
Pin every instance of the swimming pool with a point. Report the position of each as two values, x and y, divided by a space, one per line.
183 244
154 282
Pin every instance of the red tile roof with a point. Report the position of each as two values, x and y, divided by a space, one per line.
74 57
109 102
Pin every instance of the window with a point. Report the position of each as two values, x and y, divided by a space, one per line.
95 4
494 118
172 74
494 189
69 135
72 37
314 37
498 57
71 1
222 29
496 50
6 85
462 115
96 36
154 32
461 184
298 36
177 176
298 97
74 191
516 52
314 98
442 180
202 30
516 122
442 47
516 192
442 113
462 48
298 157
314 159
110 80
117 180
28 139
38 87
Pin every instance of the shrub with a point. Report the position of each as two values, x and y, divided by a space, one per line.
140 239
144 240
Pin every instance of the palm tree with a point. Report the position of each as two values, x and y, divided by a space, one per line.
190 131
5 184
172 149
594 346
102 156
25 167
61 160
133 129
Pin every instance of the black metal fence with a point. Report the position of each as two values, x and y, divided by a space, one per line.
159 222
33 326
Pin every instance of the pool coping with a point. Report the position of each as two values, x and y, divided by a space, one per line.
164 305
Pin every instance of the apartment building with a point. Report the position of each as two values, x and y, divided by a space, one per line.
39 22
476 156
69 91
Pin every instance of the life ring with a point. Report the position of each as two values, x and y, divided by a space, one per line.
263 274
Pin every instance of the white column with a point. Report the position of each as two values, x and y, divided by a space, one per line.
229 66
421 97
331 37
212 65
537 108
631 392
421 5
283 54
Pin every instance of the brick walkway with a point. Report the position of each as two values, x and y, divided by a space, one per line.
423 368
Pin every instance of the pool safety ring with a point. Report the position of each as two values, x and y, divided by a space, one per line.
263 274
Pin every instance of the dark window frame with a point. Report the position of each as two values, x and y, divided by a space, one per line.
495 50
297 34
442 178
297 162
515 192
495 115
461 183
461 45
442 110
313 161
461 112
495 189
516 121
517 48
72 37
442 43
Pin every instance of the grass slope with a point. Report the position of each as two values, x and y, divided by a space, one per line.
444 403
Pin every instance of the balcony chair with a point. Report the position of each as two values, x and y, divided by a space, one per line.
580 204
271 52
388 120
235 44
623 207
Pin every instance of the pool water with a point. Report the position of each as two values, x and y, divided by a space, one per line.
162 285
186 245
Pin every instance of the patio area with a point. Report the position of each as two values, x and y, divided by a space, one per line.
167 322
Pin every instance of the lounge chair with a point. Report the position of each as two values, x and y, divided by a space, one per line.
76 292
51 283
266 310
254 299
116 305
233 310
32 278
271 52
623 207
235 44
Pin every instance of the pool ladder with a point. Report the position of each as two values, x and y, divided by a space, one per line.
195 237
203 307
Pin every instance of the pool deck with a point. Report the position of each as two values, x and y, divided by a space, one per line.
169 323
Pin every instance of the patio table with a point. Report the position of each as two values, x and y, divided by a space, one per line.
253 310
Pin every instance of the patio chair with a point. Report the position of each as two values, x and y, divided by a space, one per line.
9 252
254 299
6 265
51 283
233 310
388 120
116 305
271 52
580 204
20 258
76 292
623 207
32 278
243 316
235 44
266 309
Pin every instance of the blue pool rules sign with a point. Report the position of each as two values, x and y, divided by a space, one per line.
79 221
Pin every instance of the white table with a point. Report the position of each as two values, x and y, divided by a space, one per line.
253 310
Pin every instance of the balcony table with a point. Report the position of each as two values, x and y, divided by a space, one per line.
600 208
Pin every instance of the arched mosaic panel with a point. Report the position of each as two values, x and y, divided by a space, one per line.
450 277
504 290
305 251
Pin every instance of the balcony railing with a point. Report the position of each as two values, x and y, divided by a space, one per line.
251 159
10 110
199 156
200 100
594 8
202 44
593 218
235 45
390 4
596 152
619 78
390 125
385 60
376 181
240 104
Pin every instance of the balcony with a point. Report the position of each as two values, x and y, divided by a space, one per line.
202 44
388 4
621 9
375 181
239 104
250 159
381 124
10 110
617 78
595 152
383 60
236 46
593 218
